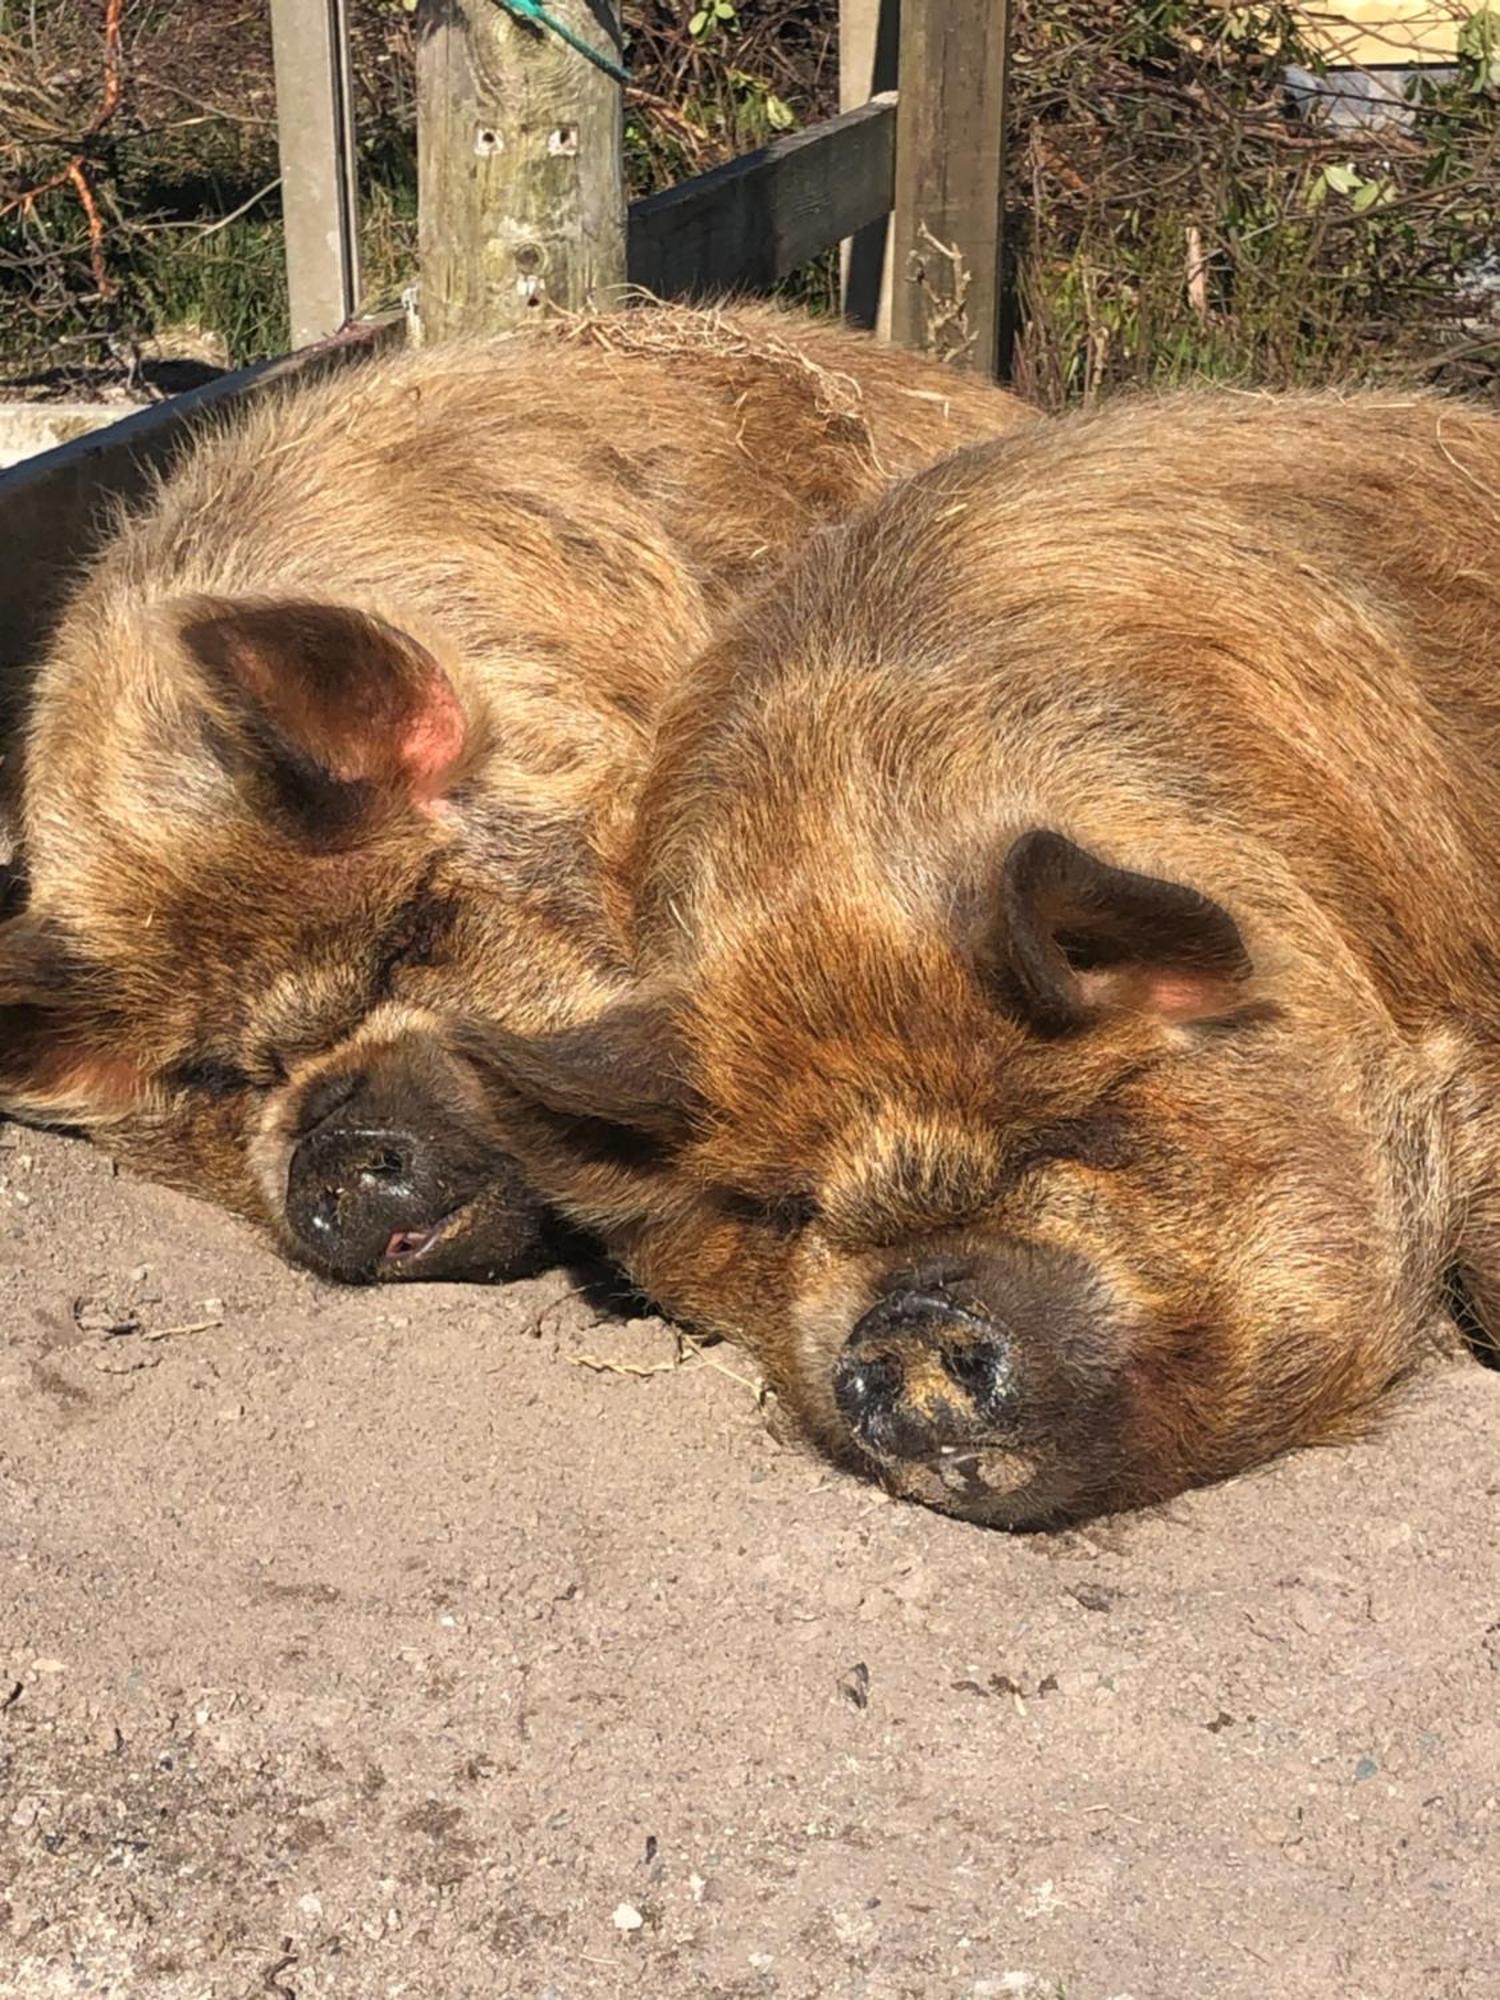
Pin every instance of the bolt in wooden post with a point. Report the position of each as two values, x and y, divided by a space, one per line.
520 165
949 230
319 191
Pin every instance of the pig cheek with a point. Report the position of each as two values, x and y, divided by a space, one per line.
700 1268
202 1152
221 1165
825 1298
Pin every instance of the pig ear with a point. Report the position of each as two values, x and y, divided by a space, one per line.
1078 939
340 714
36 967
53 1064
624 1068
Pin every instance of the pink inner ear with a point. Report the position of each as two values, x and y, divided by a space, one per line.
1172 994
431 743
364 700
420 746
1183 996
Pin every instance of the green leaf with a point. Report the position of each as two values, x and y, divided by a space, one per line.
779 114
1479 37
1374 194
699 22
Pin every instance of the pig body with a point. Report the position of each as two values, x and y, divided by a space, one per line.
333 750
1069 919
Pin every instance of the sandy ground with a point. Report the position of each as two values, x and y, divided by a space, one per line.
364 1644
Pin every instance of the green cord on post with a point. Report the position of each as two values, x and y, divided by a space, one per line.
536 13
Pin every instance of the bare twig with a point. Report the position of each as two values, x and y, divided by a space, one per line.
177 1332
690 1350
75 174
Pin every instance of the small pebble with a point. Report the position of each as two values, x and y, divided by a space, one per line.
627 1917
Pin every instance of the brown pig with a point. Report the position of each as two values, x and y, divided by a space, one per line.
332 752
1066 1047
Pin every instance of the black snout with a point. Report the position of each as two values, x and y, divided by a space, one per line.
354 1190
372 1180
921 1374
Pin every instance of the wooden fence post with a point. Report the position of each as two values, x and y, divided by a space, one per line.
949 229
869 34
520 164
319 191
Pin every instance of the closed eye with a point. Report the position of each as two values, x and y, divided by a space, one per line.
415 938
1099 1140
209 1076
785 1214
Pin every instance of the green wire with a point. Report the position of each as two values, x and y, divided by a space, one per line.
535 12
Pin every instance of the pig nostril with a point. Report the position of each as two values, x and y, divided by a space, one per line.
981 1368
867 1385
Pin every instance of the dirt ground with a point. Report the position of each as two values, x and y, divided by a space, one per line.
365 1644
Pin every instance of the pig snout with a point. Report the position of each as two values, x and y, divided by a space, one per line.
378 1171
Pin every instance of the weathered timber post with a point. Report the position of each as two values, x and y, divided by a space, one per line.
315 137
869 37
520 164
949 230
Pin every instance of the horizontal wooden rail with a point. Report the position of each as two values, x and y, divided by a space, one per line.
743 226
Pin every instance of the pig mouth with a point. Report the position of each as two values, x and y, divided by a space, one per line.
996 1485
980 1471
409 1247
501 1231
408 1250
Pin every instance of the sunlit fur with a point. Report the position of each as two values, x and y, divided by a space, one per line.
557 519
1245 644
